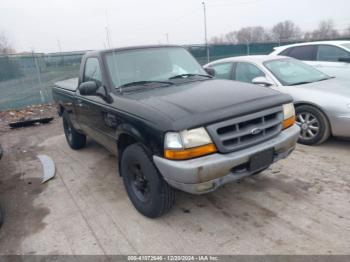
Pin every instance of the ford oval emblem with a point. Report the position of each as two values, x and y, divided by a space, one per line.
256 131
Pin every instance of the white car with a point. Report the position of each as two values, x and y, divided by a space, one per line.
322 103
330 57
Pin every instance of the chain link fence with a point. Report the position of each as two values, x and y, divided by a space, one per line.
27 79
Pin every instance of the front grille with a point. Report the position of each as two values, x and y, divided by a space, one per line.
248 130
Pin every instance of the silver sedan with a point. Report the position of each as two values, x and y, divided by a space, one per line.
322 102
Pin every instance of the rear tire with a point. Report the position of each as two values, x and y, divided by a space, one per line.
75 140
315 128
147 189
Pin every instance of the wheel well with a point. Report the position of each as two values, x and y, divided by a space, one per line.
60 110
318 108
124 141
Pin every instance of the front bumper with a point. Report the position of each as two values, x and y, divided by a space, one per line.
340 125
205 174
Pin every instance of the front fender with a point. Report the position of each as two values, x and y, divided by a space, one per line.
130 130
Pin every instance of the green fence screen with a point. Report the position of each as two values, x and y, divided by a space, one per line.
27 79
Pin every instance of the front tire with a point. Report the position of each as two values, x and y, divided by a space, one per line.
315 128
147 189
75 140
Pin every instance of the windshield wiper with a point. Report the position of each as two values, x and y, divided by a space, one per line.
188 75
300 83
144 83
309 82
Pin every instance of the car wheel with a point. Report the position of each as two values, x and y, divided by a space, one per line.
147 189
75 140
315 128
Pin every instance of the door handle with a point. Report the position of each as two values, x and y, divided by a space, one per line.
80 103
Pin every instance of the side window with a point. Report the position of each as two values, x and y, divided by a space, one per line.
246 72
285 52
305 53
223 70
92 71
331 53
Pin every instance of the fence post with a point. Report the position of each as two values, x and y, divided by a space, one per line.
39 78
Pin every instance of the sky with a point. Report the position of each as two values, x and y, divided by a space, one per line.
62 25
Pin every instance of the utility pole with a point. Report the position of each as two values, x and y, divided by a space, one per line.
59 45
205 31
167 38
60 48
108 37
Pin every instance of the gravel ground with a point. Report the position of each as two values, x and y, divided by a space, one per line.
301 205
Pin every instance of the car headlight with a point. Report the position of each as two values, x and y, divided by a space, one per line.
288 115
349 106
188 144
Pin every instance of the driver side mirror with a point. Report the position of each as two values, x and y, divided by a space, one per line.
262 81
88 88
210 71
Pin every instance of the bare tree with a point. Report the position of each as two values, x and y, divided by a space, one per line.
326 30
216 40
231 37
307 36
252 35
285 31
5 47
347 32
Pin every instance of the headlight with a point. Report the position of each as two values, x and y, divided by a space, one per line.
349 106
288 115
188 144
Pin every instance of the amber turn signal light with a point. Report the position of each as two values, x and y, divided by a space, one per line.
288 122
189 153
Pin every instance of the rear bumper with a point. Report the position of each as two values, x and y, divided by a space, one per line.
205 174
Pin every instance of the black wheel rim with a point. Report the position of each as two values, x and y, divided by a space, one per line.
309 124
139 184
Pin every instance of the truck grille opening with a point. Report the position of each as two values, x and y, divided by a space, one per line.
246 131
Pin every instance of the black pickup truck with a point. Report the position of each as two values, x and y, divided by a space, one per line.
171 124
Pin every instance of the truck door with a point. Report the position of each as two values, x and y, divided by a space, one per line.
94 116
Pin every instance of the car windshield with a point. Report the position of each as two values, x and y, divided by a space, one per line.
347 46
151 65
293 72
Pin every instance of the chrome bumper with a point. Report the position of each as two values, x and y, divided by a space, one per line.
205 174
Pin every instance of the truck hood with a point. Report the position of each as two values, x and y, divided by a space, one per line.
203 102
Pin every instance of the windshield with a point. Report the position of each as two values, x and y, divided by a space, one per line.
347 46
150 64
293 72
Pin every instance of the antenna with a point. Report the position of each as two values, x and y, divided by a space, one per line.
109 37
